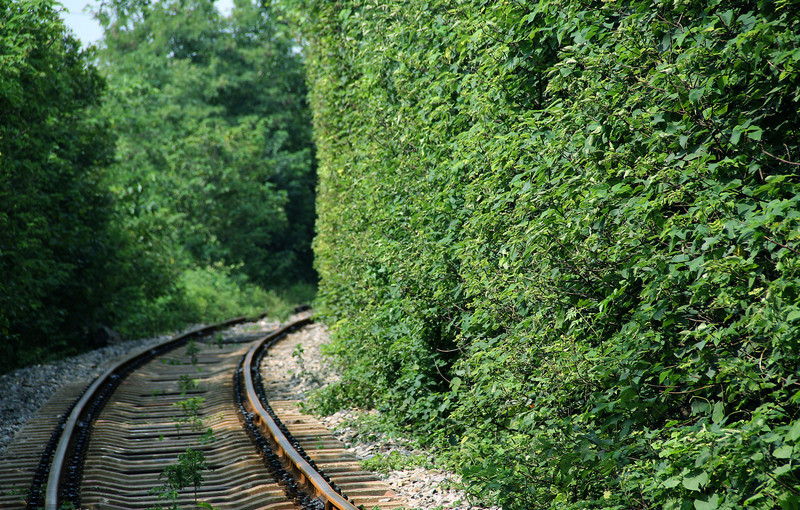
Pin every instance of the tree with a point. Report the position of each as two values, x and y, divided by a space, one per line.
55 241
215 154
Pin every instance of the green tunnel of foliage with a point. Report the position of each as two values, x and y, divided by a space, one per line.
562 237
214 172
164 178
215 135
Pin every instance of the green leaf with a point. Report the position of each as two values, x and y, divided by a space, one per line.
782 469
693 483
789 501
794 431
784 452
699 407
736 134
755 133
719 413
711 504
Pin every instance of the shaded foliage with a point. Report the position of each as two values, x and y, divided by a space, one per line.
215 156
56 244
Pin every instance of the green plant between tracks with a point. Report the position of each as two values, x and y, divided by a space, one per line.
187 472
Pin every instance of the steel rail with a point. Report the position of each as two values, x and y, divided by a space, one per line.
65 443
304 473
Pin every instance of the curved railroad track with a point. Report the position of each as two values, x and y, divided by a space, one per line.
186 424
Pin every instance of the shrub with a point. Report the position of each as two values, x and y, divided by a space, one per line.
565 236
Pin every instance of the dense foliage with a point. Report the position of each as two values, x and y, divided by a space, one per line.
165 179
214 128
214 169
562 237
56 244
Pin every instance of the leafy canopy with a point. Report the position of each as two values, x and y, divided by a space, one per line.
215 158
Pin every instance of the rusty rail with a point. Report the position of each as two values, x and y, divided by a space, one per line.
305 474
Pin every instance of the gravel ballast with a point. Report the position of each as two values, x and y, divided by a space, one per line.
309 369
25 390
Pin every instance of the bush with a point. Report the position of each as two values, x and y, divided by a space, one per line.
565 236
204 295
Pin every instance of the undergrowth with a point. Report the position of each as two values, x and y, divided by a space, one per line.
210 294
395 461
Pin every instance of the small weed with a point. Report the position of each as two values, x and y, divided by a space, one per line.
190 406
187 472
191 416
192 350
297 354
208 436
186 384
15 491
394 461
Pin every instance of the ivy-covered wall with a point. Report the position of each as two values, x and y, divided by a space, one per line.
561 238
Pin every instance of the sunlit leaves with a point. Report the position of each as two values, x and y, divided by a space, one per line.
573 226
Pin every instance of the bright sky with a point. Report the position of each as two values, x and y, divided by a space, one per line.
86 27
82 23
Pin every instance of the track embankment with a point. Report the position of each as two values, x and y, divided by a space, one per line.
177 429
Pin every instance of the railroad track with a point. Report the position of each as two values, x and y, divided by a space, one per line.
185 424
